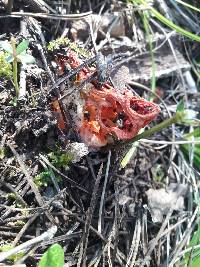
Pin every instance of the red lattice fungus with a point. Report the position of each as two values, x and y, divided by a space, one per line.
109 113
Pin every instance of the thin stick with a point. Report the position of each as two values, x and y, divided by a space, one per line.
48 16
176 142
23 247
72 73
103 193
24 228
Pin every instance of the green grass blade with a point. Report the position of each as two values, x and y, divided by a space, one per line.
186 148
188 5
193 256
22 47
170 24
174 26
26 59
145 18
129 155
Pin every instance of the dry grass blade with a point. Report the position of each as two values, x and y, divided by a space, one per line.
103 194
72 118
47 16
63 175
135 245
30 181
23 247
155 240
24 228
84 243
185 237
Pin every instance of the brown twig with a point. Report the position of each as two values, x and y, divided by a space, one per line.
48 16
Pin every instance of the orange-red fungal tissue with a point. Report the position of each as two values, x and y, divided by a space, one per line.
108 114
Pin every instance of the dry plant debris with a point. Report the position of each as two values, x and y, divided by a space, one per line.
62 142
160 201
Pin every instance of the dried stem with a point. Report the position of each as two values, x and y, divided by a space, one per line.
13 43
9 6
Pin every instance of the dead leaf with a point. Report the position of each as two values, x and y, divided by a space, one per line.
161 200
114 23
